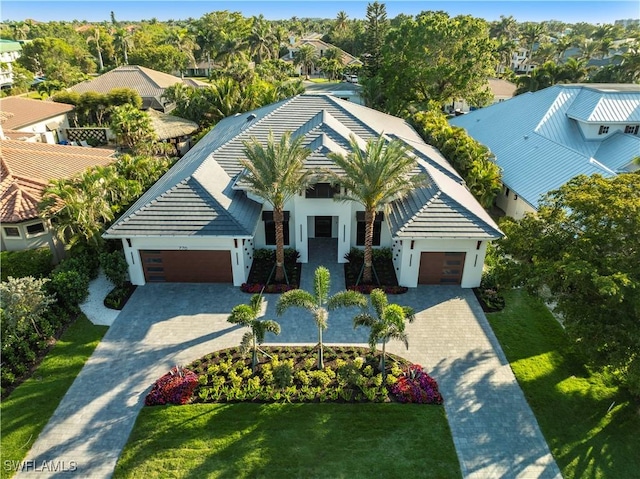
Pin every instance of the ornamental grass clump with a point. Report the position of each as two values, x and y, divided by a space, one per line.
416 386
175 387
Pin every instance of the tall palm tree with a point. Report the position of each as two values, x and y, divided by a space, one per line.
95 38
375 177
319 303
306 57
387 322
342 20
261 40
275 172
122 41
588 49
531 34
232 50
247 315
183 41
574 70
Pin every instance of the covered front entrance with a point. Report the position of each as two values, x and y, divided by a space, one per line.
176 266
323 226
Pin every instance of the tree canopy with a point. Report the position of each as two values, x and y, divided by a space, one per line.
583 246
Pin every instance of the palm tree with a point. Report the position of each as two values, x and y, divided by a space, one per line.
531 34
261 40
588 49
131 126
506 28
574 70
247 315
306 57
184 42
342 20
276 173
484 181
232 50
122 41
95 38
375 177
387 322
319 303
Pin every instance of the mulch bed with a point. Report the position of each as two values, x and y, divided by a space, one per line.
386 274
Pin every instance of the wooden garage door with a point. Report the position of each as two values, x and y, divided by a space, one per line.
186 266
441 268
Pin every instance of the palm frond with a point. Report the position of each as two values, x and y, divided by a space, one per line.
345 299
247 342
321 284
242 314
363 319
298 298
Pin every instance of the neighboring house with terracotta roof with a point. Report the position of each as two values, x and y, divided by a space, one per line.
542 140
320 47
47 119
26 169
150 85
199 223
9 52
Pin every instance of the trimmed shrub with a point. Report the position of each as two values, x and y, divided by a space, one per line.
175 387
71 288
33 262
115 267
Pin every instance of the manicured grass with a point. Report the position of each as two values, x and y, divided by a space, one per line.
30 406
290 440
592 427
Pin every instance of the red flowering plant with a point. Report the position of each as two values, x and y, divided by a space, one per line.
175 387
416 386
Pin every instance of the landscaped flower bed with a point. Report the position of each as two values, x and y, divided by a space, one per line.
261 279
175 387
289 374
383 265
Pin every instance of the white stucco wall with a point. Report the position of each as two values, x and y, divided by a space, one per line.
239 256
512 204
41 126
407 259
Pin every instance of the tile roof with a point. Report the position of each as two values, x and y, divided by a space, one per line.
28 167
539 145
25 112
150 84
202 194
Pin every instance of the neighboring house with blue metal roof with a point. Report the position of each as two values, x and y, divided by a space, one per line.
199 223
542 140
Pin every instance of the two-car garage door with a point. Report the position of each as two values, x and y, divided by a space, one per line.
441 268
186 266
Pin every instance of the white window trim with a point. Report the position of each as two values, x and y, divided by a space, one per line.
35 235
6 236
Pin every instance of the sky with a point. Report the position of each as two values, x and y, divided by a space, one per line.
571 11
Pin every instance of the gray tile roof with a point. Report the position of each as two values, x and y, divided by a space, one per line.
201 194
539 147
150 84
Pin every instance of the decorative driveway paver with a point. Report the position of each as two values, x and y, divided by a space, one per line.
494 430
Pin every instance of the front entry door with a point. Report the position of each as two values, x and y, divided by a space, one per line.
323 226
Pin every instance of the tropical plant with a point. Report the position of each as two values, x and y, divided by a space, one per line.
387 322
319 303
131 126
275 172
261 40
247 315
374 177
306 57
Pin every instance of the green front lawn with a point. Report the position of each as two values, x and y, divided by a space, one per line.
592 427
290 440
30 406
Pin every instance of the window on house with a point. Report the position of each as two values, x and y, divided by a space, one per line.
361 225
603 130
270 228
35 229
322 190
632 129
12 232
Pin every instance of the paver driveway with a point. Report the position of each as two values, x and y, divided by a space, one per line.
494 430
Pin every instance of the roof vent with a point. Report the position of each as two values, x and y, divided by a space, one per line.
251 117
526 137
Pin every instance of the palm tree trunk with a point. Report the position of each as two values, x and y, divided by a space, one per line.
320 351
254 359
369 218
382 362
278 218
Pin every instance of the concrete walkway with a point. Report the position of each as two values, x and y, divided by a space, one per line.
494 431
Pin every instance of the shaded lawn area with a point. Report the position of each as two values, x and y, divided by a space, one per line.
290 441
30 406
569 402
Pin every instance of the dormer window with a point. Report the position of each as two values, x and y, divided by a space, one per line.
603 130
631 129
